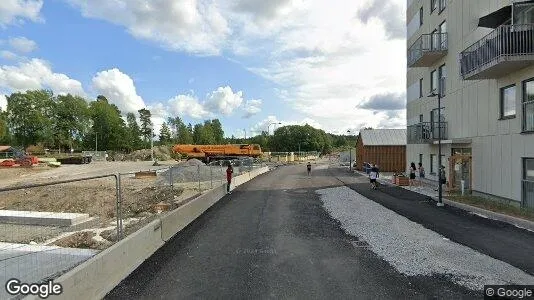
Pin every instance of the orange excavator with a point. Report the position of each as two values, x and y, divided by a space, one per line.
207 153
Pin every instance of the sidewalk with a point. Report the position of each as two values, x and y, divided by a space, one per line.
429 190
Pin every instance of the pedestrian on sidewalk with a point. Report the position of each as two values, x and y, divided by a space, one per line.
443 177
421 174
308 166
373 176
229 173
412 174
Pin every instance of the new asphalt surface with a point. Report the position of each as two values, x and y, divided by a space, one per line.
496 239
272 238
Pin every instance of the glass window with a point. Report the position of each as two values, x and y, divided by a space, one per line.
421 16
442 5
421 158
528 169
523 13
433 5
507 102
442 77
528 105
421 118
433 81
421 88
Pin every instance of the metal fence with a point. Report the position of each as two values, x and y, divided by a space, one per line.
426 132
506 40
433 42
48 228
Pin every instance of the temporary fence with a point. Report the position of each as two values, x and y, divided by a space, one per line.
48 228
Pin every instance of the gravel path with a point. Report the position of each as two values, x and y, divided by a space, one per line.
411 248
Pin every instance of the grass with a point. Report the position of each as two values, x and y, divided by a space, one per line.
495 206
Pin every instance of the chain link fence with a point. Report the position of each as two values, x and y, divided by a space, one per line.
48 228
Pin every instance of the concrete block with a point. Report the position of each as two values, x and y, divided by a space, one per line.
41 218
94 278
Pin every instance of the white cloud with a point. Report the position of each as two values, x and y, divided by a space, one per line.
159 114
22 44
223 100
119 88
272 122
37 74
8 55
188 105
252 107
190 25
16 11
3 102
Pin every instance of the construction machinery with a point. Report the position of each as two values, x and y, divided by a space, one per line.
208 153
10 156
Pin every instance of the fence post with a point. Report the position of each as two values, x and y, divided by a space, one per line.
198 173
118 205
172 181
211 176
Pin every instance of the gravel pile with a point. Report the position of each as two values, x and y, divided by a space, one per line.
411 248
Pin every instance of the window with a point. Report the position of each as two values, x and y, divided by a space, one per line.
442 77
433 81
507 102
421 158
435 40
421 16
432 167
433 5
421 88
421 118
528 105
528 183
528 169
442 5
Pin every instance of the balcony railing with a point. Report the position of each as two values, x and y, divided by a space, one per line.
528 116
426 132
506 49
427 49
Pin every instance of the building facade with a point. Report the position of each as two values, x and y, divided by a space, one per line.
478 55
383 147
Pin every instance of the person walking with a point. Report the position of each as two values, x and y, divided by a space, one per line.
373 176
421 173
308 167
229 173
412 174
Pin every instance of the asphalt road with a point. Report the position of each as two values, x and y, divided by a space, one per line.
496 239
272 238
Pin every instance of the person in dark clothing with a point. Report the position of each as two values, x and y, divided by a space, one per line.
229 173
308 167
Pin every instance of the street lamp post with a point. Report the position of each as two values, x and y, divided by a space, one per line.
440 188
268 126
350 155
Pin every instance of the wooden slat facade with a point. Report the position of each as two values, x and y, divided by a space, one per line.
388 158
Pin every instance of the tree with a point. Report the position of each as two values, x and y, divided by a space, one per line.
134 132
71 121
218 132
30 117
197 133
207 134
5 137
184 135
146 124
108 126
165 134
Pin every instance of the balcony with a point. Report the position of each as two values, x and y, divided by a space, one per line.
426 132
427 49
506 49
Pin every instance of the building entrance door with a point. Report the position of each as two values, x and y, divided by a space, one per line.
460 166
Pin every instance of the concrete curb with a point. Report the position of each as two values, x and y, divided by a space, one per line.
96 277
518 222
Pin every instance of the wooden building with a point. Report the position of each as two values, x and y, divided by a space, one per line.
383 147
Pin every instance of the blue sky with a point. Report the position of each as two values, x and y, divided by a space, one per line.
247 62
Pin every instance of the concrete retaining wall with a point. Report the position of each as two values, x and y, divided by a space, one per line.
97 276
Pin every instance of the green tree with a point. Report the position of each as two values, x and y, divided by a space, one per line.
134 131
218 132
71 121
198 133
108 126
5 137
165 135
30 117
146 124
184 135
207 134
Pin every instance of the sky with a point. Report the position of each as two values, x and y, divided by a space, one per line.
336 65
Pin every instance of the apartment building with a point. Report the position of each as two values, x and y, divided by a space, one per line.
478 55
